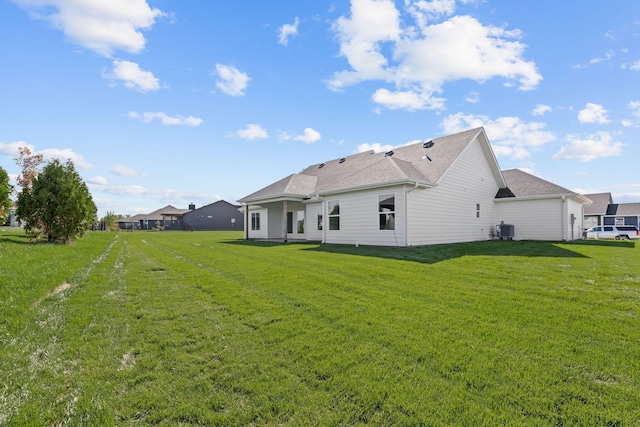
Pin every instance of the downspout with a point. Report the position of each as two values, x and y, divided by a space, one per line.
406 213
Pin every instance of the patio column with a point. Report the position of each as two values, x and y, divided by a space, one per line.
246 221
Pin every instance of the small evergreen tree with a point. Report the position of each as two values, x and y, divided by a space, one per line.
5 191
58 204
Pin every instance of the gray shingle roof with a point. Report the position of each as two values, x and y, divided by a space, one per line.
600 203
624 209
523 184
406 164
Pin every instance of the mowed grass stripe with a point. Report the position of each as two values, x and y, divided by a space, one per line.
207 329
398 327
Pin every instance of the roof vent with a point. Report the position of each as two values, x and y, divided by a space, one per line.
343 159
321 165
426 145
388 153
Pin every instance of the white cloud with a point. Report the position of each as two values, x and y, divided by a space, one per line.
98 180
593 113
231 81
635 108
166 119
608 56
122 170
13 148
595 146
132 76
472 98
376 147
65 154
252 131
407 100
309 136
424 11
509 136
635 66
541 110
419 61
100 25
288 30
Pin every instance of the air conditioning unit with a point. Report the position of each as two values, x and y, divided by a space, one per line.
505 231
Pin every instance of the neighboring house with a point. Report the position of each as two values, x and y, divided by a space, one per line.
220 215
541 210
168 218
622 214
594 213
172 218
446 190
129 223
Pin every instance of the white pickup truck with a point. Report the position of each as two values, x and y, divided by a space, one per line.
618 232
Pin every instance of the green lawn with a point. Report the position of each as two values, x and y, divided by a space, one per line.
203 328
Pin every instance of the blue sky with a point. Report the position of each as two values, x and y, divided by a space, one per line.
173 102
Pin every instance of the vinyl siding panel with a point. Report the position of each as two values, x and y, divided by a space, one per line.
537 219
447 213
311 220
359 219
574 208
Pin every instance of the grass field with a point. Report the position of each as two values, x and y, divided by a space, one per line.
203 328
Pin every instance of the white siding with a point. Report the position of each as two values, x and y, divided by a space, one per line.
359 221
535 219
574 208
447 213
264 221
313 210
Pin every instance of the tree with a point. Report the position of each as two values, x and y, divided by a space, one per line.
30 167
58 204
5 191
110 221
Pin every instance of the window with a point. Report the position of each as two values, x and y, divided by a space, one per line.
255 221
334 215
619 220
387 211
319 222
300 222
289 222
477 210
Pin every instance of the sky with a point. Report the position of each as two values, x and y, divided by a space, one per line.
161 102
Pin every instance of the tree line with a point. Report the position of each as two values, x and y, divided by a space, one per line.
53 202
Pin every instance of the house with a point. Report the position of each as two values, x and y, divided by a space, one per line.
604 212
595 212
168 217
622 214
220 215
541 209
445 190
